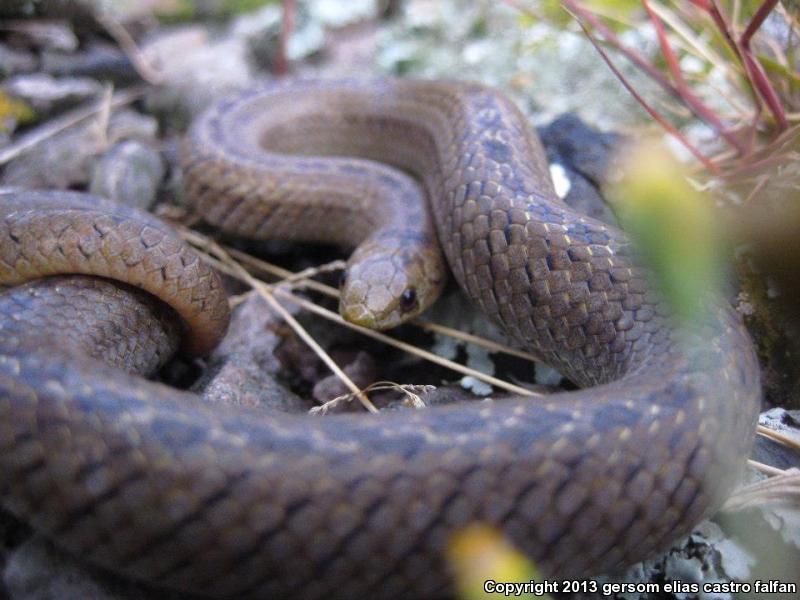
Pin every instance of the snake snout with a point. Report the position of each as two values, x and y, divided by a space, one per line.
391 278
358 315
365 298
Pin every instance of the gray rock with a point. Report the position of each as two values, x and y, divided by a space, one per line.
76 11
570 141
361 371
132 125
14 61
36 570
46 94
771 452
130 173
67 159
197 70
332 13
585 154
98 60
44 34
547 68
243 367
60 162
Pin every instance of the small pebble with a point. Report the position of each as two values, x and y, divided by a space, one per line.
130 173
98 60
46 94
14 61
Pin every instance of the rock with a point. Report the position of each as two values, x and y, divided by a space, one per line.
37 570
44 35
332 13
361 370
132 125
772 453
198 70
584 148
130 173
243 367
98 60
14 61
67 159
548 68
46 94
73 10
585 154
63 161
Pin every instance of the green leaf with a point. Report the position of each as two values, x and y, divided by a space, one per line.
776 69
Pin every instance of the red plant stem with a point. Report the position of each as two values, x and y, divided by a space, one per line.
754 69
651 111
666 49
287 26
755 23
760 84
719 20
691 101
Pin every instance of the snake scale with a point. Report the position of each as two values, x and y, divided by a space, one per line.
151 482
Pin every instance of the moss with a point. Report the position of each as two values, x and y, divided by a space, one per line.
774 335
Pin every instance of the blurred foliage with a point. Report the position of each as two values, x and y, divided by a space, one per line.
674 226
546 67
618 12
728 65
479 553
185 10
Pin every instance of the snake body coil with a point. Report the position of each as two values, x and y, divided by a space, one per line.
151 482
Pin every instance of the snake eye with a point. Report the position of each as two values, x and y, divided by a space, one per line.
408 300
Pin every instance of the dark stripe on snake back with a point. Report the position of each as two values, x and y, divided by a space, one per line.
152 483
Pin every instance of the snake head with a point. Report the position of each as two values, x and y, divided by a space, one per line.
391 277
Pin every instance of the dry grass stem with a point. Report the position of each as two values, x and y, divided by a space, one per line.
128 45
266 292
286 275
410 391
764 468
236 270
381 337
477 340
783 489
104 115
779 437
234 301
307 274
55 126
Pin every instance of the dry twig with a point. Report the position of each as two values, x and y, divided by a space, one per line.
53 127
238 272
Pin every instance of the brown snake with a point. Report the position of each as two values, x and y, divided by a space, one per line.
151 482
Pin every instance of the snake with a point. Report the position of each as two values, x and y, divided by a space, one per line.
153 483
